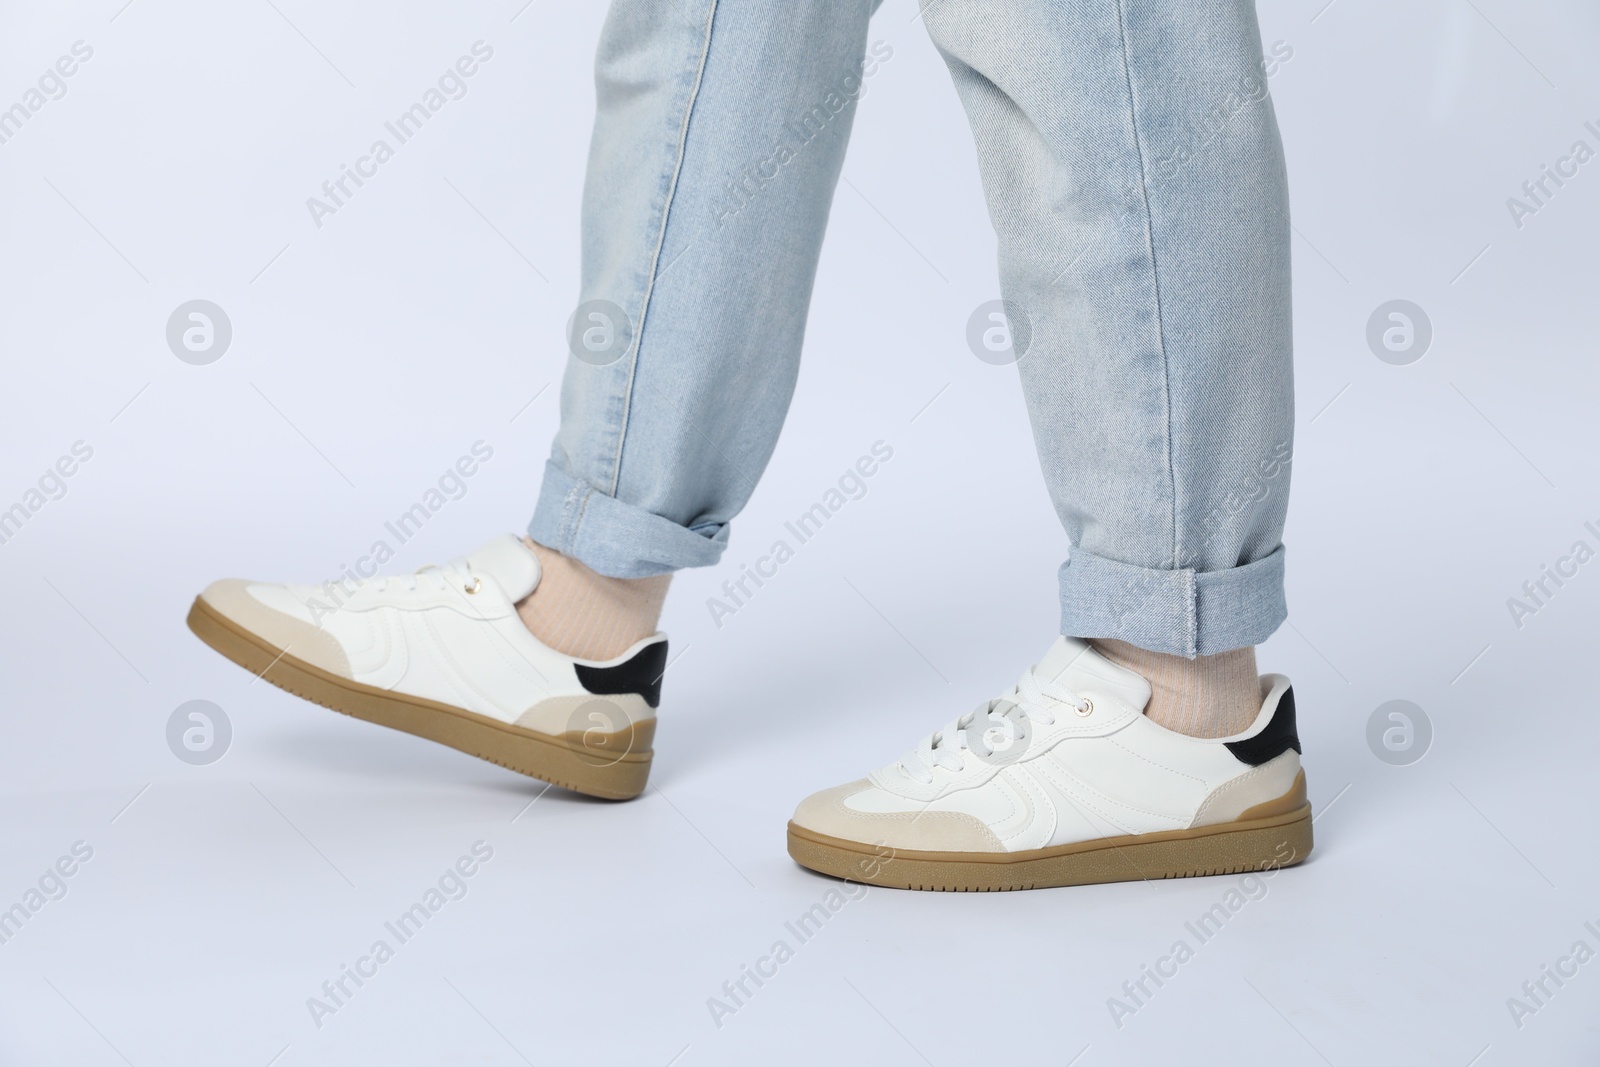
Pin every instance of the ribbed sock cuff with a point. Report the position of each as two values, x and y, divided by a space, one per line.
583 614
1208 696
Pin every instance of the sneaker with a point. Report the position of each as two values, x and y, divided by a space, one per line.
1064 781
442 654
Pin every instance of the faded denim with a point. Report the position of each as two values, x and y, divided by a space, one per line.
1134 175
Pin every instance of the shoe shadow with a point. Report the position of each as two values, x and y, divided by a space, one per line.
389 758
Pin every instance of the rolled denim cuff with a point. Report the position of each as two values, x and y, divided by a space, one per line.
1180 612
613 538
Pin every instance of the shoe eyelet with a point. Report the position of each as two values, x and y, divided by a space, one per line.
1087 709
477 584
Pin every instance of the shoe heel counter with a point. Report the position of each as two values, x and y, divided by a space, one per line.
639 674
1277 736
1277 787
1272 781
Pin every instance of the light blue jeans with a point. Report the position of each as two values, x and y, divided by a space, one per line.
1134 175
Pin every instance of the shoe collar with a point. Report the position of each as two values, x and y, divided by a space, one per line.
510 562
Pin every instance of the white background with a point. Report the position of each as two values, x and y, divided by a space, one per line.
369 354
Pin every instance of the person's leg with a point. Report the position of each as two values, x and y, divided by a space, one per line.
721 126
718 142
1134 176
721 129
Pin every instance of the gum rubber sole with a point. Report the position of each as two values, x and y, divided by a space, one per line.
1226 848
562 760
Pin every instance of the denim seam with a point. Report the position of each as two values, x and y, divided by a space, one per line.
655 255
1155 279
568 524
1191 612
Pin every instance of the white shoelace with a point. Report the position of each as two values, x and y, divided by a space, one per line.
456 573
1029 700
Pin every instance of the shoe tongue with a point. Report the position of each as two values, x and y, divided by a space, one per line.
510 562
1073 664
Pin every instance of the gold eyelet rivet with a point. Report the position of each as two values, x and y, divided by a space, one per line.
477 584
1087 709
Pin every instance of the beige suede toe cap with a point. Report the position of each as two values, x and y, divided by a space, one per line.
918 831
231 598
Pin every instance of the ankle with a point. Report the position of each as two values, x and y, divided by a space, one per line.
1208 696
587 615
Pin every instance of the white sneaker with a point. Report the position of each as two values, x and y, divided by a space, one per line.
1065 781
443 654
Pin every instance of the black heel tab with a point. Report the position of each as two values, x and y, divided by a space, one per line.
641 674
1276 738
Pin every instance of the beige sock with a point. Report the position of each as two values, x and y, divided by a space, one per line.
587 615
1209 696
